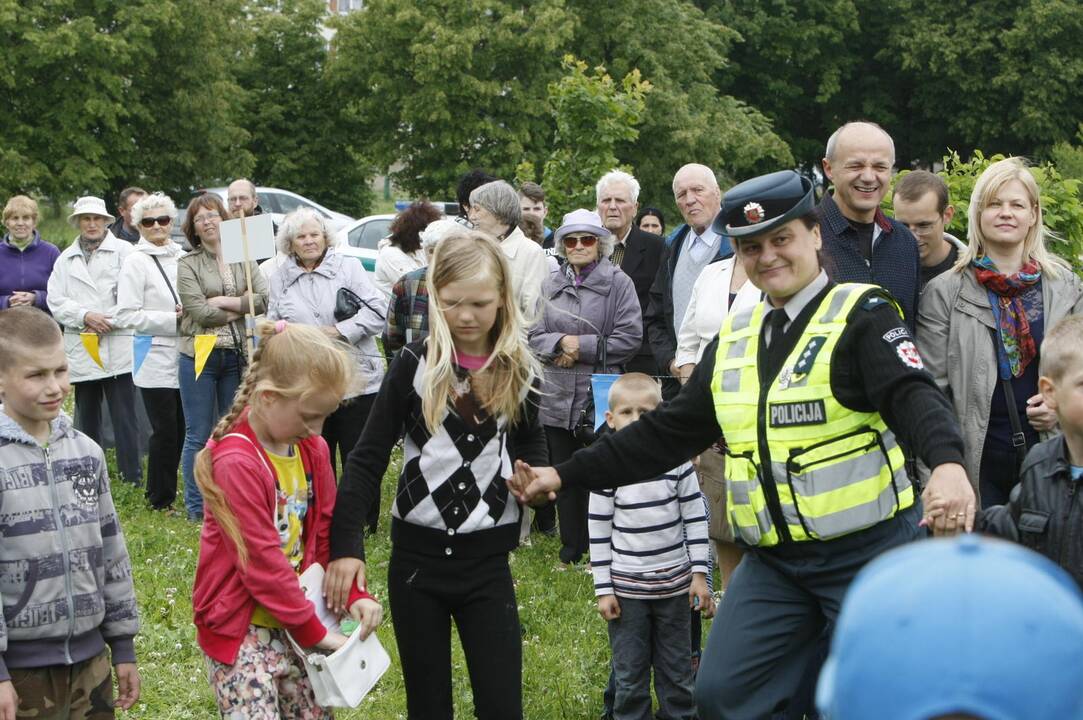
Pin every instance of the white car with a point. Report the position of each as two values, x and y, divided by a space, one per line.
279 203
361 238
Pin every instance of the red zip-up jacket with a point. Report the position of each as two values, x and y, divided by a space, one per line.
225 594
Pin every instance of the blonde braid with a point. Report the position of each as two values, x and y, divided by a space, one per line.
213 496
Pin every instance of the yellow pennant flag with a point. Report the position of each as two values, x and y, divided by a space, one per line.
90 342
204 345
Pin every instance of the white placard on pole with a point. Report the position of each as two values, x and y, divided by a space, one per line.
261 239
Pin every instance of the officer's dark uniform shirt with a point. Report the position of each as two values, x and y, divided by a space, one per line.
875 368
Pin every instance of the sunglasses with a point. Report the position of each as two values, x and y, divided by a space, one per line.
162 220
586 241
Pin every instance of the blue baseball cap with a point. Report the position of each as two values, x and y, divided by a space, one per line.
970 626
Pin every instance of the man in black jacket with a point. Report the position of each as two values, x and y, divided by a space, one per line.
1043 512
636 252
698 197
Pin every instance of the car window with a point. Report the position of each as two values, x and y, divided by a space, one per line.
287 203
267 201
368 235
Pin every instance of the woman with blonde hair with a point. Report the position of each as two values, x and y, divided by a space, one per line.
26 261
466 399
981 325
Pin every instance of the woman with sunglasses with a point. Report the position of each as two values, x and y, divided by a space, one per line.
214 299
148 304
589 304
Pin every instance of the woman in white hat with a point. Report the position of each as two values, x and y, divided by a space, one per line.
590 312
83 299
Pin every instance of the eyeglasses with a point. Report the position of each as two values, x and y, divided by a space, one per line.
204 219
923 228
162 220
584 240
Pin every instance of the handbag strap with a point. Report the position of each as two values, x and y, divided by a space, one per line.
176 300
1019 438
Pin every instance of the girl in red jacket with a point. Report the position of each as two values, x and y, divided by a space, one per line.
270 493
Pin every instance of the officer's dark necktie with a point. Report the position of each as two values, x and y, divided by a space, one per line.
777 348
618 254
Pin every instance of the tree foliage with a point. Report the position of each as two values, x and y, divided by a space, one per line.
593 113
98 95
298 138
446 85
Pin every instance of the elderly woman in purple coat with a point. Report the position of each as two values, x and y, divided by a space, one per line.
589 304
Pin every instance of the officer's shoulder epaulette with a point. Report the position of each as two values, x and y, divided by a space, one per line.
874 299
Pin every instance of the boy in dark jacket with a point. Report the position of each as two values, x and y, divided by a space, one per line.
65 576
1044 512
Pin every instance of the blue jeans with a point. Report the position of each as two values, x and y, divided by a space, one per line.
205 401
652 633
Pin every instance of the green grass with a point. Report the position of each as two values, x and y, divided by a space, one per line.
565 649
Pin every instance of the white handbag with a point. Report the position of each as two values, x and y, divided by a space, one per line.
343 678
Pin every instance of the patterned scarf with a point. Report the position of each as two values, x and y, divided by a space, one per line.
1017 347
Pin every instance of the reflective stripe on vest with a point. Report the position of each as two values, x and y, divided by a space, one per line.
836 471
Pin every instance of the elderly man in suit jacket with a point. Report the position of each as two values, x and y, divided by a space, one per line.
637 253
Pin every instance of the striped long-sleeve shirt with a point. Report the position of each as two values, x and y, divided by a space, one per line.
647 539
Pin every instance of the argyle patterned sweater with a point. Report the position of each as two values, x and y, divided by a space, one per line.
452 500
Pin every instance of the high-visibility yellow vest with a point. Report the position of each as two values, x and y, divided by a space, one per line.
826 469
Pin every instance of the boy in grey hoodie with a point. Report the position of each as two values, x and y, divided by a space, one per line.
65 576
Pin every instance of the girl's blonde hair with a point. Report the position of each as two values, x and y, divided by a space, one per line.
511 367
294 363
995 177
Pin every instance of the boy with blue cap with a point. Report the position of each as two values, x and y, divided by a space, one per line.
967 628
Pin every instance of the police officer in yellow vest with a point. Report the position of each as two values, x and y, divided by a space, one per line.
813 389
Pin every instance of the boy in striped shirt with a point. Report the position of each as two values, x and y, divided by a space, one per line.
649 557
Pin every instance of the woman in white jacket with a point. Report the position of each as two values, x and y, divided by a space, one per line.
721 288
83 298
401 252
148 304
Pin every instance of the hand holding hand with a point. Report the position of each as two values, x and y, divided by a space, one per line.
369 613
1040 416
949 501
699 595
331 331
337 582
684 372
128 684
533 486
180 310
9 700
608 607
21 297
97 323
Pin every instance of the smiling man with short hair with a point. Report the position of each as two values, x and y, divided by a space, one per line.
860 242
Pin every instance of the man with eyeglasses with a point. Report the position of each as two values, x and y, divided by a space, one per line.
922 204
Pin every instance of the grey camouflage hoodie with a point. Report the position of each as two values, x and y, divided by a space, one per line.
65 576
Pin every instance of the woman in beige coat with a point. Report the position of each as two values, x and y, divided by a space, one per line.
214 300
980 326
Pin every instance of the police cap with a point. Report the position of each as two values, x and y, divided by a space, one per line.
764 203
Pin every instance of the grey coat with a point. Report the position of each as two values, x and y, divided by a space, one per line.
309 298
605 304
953 335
